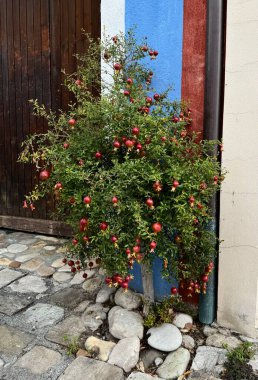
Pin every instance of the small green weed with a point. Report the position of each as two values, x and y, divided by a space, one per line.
236 366
164 311
73 345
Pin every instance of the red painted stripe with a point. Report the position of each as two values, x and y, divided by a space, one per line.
193 67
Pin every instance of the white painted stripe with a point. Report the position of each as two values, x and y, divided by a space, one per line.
112 22
112 17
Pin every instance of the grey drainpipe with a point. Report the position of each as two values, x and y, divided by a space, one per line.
213 111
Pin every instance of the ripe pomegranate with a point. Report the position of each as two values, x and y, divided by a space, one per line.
83 224
175 119
144 48
156 227
205 278
129 143
157 186
44 175
149 202
87 200
86 239
73 269
114 239
126 93
117 66
72 200
98 155
84 275
155 53
64 260
72 122
156 96
138 146
129 81
135 131
175 185
108 280
114 200
58 186
173 291
136 249
66 145
152 245
116 144
103 226
78 82
148 100
70 263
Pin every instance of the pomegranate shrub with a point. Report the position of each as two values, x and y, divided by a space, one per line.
126 171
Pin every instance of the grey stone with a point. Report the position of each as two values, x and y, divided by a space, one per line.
39 360
182 319
49 247
45 271
12 303
82 306
62 276
95 370
32 264
102 347
201 375
129 347
166 337
2 363
13 341
65 268
27 257
77 279
188 342
4 261
28 241
3 250
254 362
8 275
28 284
207 358
148 357
219 340
58 263
47 238
248 339
68 297
104 294
92 285
17 248
93 316
42 315
142 376
124 323
128 300
224 331
175 364
208 330
70 328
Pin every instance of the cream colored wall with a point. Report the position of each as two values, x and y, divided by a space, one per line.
238 262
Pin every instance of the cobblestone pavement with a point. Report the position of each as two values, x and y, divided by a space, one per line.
49 315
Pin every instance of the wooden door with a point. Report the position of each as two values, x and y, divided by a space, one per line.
38 38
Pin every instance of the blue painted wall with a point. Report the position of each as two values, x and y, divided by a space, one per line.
161 21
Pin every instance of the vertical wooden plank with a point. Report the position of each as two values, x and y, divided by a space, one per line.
12 174
55 58
95 18
64 6
79 17
193 69
2 109
18 102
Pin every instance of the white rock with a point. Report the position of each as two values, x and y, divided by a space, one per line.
29 284
175 364
42 315
1 363
158 361
58 263
254 362
128 300
92 285
93 316
62 276
47 238
207 358
208 330
142 376
103 347
124 323
104 294
166 337
49 247
126 353
219 340
17 248
188 342
182 319
77 279
82 306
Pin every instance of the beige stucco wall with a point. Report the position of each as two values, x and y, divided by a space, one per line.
238 262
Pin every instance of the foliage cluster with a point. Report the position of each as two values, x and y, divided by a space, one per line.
236 366
126 171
